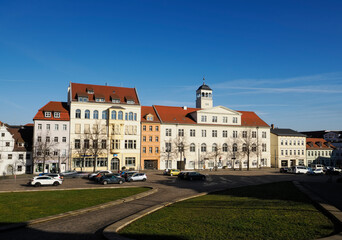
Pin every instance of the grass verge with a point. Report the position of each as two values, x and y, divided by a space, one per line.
24 206
267 211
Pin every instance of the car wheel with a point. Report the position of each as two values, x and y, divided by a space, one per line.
55 183
37 184
171 174
105 182
144 180
120 182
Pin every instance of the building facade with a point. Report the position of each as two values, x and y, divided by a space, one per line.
51 138
319 151
288 148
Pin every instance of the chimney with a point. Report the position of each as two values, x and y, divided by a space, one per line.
272 126
185 108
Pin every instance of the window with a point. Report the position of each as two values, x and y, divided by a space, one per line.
47 139
157 128
144 138
55 153
168 132
64 139
77 143
130 161
302 142
56 127
96 114
113 116
181 132
7 144
39 128
282 152
264 135
55 139
21 156
39 139
264 147
150 128
120 115
244 147
86 128
282 142
104 114
192 133
144 149
203 118
290 152
290 142
130 144
302 152
235 133
130 116
157 149
116 144
126 116
95 144
168 147
135 117
225 119
150 139
47 114
78 113
203 147
86 143
56 114
150 150
286 152
224 133
47 126
235 120
204 133
192 147
9 156
65 127
286 142
77 128
244 134
214 133
157 139
214 147
87 114
254 133
225 147
144 127
214 119
235 148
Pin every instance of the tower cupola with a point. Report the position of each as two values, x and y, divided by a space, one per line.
204 96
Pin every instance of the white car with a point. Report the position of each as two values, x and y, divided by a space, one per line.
299 169
137 177
45 180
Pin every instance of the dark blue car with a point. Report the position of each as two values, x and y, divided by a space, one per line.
112 179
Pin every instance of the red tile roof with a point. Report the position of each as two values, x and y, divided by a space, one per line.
22 135
52 107
145 110
181 116
106 91
318 143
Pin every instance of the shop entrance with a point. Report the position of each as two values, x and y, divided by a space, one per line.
115 164
151 164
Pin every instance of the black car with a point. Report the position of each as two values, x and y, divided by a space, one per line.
112 179
284 170
194 176
98 179
182 174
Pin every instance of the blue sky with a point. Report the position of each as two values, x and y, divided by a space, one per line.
280 59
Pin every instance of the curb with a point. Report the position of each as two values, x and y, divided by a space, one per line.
80 211
332 212
111 232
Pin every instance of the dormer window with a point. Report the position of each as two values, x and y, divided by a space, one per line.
129 100
99 100
149 117
115 98
90 91
83 99
56 114
47 114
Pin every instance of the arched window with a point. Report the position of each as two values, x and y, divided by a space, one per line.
87 114
120 115
78 113
244 147
214 147
135 116
130 116
104 114
225 147
96 114
235 147
126 116
203 147
113 115
192 147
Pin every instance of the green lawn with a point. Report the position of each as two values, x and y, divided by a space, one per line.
268 211
24 206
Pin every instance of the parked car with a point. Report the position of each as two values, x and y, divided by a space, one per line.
137 177
299 169
45 180
69 174
315 171
332 171
182 174
174 172
100 176
126 175
166 172
194 176
284 170
112 179
92 175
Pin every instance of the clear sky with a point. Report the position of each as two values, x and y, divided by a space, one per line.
281 59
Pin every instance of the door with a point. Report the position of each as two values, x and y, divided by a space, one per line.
150 164
115 164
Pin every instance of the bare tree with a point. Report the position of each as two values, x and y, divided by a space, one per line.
42 150
181 146
99 142
250 145
233 152
216 153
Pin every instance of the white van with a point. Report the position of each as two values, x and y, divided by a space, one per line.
317 166
299 169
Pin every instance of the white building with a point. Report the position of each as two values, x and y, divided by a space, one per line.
15 149
210 136
104 125
51 138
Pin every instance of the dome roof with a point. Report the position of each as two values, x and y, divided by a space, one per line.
204 87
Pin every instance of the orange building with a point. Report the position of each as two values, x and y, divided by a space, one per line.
150 138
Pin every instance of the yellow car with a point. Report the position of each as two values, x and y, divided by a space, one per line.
174 172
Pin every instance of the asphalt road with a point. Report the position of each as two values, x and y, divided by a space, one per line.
90 225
